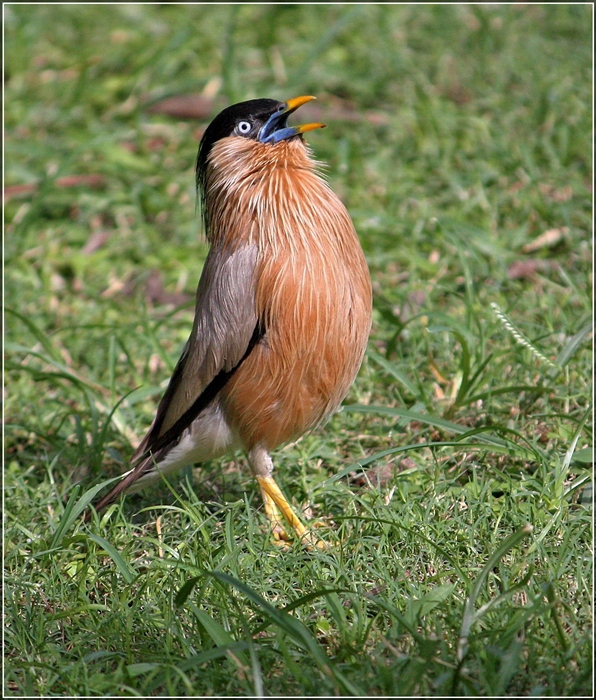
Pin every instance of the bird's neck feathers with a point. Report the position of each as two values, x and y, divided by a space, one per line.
248 187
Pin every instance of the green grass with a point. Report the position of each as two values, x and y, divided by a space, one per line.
454 485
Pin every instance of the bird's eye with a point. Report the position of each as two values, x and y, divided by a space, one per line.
244 127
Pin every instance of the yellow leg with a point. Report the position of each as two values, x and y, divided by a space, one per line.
276 505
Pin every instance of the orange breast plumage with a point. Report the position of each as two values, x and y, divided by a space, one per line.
312 291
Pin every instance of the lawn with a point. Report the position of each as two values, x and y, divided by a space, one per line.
453 488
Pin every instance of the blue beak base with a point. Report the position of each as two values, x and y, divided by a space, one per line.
276 129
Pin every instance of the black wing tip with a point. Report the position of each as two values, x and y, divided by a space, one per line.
120 488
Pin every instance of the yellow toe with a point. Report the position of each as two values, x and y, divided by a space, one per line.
276 507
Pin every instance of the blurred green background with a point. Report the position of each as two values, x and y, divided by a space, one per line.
459 137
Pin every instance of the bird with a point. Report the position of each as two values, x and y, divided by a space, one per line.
282 315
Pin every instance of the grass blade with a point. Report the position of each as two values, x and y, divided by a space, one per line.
436 422
391 369
74 508
470 615
114 555
572 346
295 629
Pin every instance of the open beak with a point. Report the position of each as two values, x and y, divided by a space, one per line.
276 129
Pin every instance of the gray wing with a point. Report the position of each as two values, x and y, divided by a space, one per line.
224 331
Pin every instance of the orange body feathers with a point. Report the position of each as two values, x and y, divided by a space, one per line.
312 289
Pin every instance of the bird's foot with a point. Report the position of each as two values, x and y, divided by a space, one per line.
278 509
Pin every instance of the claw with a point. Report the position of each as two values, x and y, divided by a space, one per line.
276 507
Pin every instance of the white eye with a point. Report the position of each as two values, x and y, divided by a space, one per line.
243 128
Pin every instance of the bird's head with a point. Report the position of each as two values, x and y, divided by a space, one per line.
262 121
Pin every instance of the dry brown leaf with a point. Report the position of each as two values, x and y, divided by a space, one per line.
95 241
184 107
562 194
548 239
523 269
155 292
94 181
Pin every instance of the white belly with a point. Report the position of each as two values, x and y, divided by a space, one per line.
209 436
